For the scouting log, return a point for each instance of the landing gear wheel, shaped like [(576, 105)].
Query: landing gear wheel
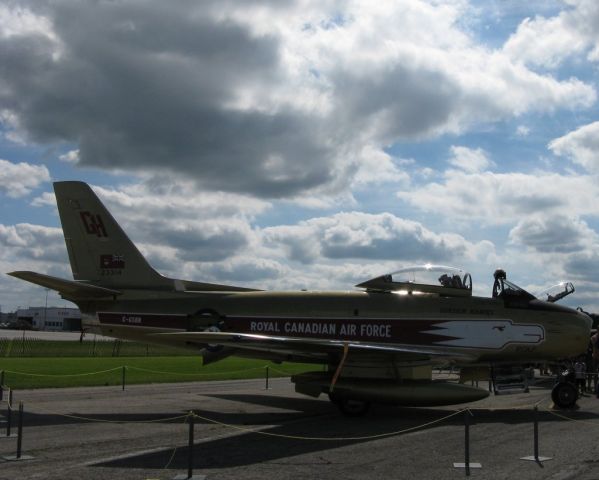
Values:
[(564, 395), (350, 407)]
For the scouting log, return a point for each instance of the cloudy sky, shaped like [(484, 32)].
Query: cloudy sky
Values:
[(289, 144)]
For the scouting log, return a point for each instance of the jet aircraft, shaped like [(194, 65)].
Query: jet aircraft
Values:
[(379, 342)]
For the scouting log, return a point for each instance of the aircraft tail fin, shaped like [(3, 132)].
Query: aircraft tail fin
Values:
[(99, 250)]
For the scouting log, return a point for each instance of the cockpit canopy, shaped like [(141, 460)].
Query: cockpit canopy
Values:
[(556, 292), (443, 280)]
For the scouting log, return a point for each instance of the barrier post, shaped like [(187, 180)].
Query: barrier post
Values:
[(467, 465), (535, 457), (266, 388), (20, 431), (190, 475), (8, 419), (9, 414), (190, 448), (467, 443), (19, 455), (123, 378)]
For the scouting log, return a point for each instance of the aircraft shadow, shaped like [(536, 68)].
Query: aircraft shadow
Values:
[(249, 448), (34, 419), (388, 412), (293, 408)]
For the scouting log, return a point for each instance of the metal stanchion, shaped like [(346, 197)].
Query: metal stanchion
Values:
[(190, 475), (19, 455), (535, 457), (9, 417), (190, 447), (20, 431), (467, 465), (123, 378), (266, 387)]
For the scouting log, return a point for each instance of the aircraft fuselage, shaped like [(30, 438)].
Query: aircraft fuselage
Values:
[(489, 329)]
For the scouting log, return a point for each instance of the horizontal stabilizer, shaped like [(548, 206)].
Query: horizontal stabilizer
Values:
[(68, 289)]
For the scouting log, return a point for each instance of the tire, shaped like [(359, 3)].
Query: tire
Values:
[(564, 395)]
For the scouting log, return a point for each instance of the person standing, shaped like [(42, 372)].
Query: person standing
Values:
[(580, 372)]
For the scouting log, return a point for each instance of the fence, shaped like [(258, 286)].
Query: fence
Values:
[(35, 347), (193, 449)]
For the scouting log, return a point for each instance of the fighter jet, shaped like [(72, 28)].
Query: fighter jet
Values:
[(379, 342)]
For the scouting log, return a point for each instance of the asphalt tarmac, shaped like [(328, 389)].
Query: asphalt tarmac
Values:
[(246, 432)]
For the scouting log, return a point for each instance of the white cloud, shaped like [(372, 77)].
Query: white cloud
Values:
[(270, 99), (581, 146), (207, 226), (32, 243), (46, 199), (554, 234), (547, 42), (503, 198), (71, 156), (19, 179), (376, 167), (470, 160), (22, 21), (382, 237), (249, 270), (169, 197)]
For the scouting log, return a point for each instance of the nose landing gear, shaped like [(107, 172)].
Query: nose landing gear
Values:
[(564, 393)]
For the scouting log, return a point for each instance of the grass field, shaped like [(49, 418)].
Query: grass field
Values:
[(44, 372), (35, 347)]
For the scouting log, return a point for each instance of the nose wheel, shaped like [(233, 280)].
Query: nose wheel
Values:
[(564, 395)]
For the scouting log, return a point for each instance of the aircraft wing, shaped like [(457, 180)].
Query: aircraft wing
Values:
[(68, 289), (311, 346)]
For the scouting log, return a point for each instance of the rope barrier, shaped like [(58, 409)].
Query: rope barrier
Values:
[(197, 373), (62, 375), (279, 371), (101, 420), (232, 372), (518, 407), (328, 439), (590, 422), (168, 464)]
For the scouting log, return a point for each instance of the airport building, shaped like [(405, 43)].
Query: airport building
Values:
[(55, 319)]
